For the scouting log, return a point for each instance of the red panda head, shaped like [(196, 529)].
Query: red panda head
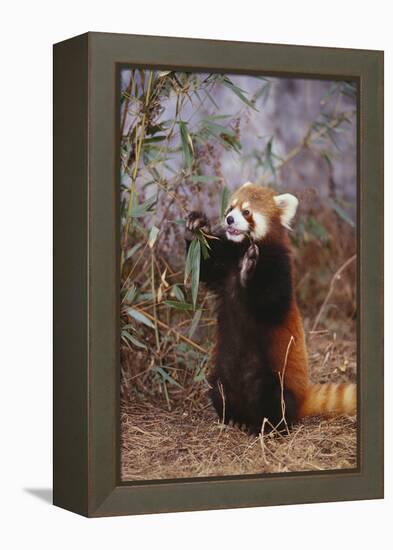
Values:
[(257, 211)]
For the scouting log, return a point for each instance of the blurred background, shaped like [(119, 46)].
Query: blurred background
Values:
[(187, 141)]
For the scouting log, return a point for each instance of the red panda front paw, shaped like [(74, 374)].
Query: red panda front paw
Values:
[(197, 220), (248, 263)]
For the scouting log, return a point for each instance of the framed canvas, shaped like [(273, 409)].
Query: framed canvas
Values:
[(218, 274)]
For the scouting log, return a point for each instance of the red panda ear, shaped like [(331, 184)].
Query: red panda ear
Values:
[(288, 205)]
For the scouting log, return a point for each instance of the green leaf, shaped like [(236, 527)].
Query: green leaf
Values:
[(195, 322), (131, 293), (204, 179), (132, 251), (178, 305), (199, 375), (205, 246), (200, 371), (140, 317), (177, 291), (217, 117), (205, 251), (211, 98), (218, 129), (145, 296), (224, 200), (188, 148), (153, 236), (317, 229), (138, 211), (127, 336), (167, 377), (155, 139), (269, 156), (192, 267), (328, 157), (237, 91), (189, 260), (342, 213), (263, 92), (195, 272)]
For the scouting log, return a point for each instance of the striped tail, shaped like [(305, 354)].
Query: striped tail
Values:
[(329, 399)]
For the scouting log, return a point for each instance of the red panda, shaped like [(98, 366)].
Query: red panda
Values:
[(260, 363)]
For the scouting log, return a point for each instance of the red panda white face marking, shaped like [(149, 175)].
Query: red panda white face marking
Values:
[(253, 210), (237, 226)]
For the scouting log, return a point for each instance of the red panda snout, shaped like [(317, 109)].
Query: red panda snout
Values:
[(237, 225)]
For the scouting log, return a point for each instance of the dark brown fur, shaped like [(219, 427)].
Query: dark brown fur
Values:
[(260, 360)]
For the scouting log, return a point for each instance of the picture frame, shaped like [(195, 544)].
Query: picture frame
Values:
[(86, 471)]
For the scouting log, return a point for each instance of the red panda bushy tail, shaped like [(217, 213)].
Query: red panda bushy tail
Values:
[(329, 399)]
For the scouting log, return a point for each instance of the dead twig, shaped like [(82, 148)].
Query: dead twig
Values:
[(336, 277), (281, 376), (171, 329)]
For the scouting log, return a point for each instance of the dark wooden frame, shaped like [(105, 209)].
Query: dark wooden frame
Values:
[(86, 254)]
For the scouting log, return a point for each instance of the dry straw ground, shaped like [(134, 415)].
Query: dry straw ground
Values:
[(189, 441)]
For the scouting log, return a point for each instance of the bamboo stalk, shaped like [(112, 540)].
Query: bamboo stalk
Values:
[(136, 165), (127, 103)]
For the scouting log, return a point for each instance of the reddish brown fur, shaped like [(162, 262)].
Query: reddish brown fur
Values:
[(312, 399), (260, 336), (260, 199)]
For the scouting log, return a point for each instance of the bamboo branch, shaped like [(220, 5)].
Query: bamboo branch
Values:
[(308, 139)]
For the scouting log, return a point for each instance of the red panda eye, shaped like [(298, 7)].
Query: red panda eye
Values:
[(246, 213)]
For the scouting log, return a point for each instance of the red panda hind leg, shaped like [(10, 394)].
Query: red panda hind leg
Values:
[(288, 352)]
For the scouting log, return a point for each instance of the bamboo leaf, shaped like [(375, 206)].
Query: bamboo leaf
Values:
[(269, 156), (211, 98), (132, 250), (178, 305), (342, 213), (263, 92), (217, 117), (224, 200), (237, 91), (177, 291), (189, 259), (205, 246), (196, 263), (131, 293), (204, 179), (126, 335), (140, 317), (218, 129), (138, 211), (153, 236), (155, 139), (187, 145), (145, 296), (195, 322), (205, 249), (167, 377)]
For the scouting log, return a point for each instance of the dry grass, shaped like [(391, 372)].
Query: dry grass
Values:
[(190, 442)]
